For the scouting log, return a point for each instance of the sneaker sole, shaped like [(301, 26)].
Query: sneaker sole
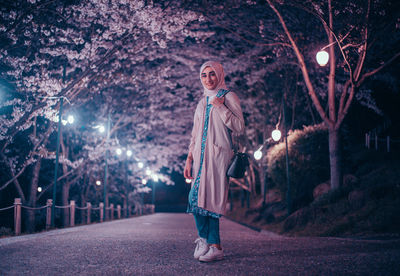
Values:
[(215, 259)]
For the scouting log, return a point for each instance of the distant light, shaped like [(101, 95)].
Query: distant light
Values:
[(257, 154), (102, 129), (64, 122), (129, 153), (140, 165), (39, 189), (98, 182), (322, 57), (155, 177), (276, 135), (144, 181), (188, 180), (148, 172), (119, 151), (70, 119)]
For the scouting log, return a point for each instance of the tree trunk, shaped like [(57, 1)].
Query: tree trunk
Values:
[(30, 219), (335, 158)]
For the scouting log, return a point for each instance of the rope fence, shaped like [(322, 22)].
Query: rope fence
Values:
[(33, 208), (63, 207), (85, 218), (4, 209)]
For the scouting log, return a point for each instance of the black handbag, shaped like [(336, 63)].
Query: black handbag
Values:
[(239, 162), (238, 166)]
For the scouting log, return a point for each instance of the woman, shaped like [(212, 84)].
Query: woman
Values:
[(217, 115)]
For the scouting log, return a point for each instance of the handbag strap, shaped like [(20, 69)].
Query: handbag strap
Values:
[(221, 93), (230, 140)]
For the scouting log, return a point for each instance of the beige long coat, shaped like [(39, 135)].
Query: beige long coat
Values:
[(214, 186)]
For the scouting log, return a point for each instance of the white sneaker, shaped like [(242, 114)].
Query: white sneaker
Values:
[(201, 248), (213, 254)]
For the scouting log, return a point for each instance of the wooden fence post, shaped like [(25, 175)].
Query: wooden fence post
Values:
[(89, 212), (119, 211), (17, 216), (112, 211), (72, 213), (101, 206), (49, 204)]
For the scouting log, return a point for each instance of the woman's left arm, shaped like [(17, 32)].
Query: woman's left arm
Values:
[(231, 113)]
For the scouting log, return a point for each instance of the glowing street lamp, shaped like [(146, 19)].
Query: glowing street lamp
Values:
[(258, 154), (39, 189), (98, 182), (101, 128), (155, 177), (144, 181), (70, 119), (322, 57), (276, 135), (129, 153)]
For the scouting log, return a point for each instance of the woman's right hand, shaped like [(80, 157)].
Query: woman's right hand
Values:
[(187, 173)]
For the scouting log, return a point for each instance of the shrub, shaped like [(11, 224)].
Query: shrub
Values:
[(4, 231), (308, 163)]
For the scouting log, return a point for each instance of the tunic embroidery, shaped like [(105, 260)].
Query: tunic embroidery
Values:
[(193, 195)]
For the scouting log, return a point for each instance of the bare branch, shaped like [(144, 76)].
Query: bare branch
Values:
[(343, 97), (368, 74), (240, 184), (346, 108), (303, 67), (361, 59), (351, 45)]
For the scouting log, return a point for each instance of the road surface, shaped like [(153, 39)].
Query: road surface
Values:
[(162, 244)]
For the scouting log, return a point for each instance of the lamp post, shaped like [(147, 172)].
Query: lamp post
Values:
[(106, 166), (258, 154), (53, 207), (128, 154), (288, 193)]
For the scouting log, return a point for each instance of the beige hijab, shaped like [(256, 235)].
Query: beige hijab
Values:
[(219, 71)]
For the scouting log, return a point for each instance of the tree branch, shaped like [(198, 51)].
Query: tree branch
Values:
[(303, 67), (361, 59), (368, 74)]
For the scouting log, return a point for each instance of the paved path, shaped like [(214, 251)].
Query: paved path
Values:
[(162, 244)]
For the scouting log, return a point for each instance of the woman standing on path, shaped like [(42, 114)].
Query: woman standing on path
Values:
[(217, 115)]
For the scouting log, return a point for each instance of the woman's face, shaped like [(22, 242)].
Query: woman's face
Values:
[(209, 78)]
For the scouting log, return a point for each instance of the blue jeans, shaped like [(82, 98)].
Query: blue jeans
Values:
[(208, 228)]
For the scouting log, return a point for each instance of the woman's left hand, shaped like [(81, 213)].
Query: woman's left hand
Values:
[(217, 102)]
